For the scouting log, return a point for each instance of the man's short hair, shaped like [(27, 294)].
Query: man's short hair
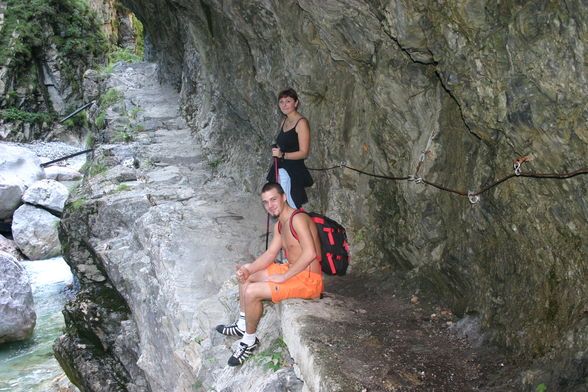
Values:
[(272, 185)]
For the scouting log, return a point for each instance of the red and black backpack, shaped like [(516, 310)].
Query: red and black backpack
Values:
[(335, 249)]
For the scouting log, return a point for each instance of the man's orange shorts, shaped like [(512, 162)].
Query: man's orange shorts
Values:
[(305, 284)]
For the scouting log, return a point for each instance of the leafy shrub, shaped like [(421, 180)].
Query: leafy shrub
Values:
[(14, 114), (123, 136), (100, 121), (110, 97)]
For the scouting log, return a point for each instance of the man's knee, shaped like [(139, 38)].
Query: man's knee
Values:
[(257, 291)]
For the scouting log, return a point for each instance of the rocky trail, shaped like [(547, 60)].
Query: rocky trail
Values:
[(167, 232)]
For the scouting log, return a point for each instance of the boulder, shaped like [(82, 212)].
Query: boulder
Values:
[(8, 246), (49, 194), (35, 232), (19, 168), (62, 173), (17, 314), (11, 191)]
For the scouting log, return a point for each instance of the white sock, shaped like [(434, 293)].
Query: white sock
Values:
[(248, 338), (241, 322)]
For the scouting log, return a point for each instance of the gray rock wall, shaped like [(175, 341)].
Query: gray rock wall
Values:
[(485, 82)]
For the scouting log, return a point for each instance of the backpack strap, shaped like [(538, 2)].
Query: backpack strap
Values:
[(291, 226)]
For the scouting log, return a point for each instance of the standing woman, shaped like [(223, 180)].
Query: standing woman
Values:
[(291, 149)]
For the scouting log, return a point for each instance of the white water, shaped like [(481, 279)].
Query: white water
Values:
[(30, 366)]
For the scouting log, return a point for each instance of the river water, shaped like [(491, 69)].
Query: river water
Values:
[(30, 366)]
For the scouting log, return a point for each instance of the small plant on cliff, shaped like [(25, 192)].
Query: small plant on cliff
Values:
[(134, 111), (14, 114), (90, 140), (138, 128), (118, 55), (77, 204), (274, 357), (215, 163), (110, 97), (124, 137), (80, 120), (97, 168), (124, 55), (541, 388), (100, 121)]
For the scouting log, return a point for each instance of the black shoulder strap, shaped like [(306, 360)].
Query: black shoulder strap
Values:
[(295, 125)]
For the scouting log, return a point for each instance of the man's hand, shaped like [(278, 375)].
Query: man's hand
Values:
[(276, 278), (242, 273)]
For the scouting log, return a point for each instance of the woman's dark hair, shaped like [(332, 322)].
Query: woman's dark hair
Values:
[(288, 93)]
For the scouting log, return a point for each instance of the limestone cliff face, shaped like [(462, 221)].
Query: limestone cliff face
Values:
[(116, 21), (448, 91)]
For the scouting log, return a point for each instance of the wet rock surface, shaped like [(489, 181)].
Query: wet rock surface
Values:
[(17, 313)]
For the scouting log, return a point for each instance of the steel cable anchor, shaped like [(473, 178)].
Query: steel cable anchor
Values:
[(416, 179), (473, 198)]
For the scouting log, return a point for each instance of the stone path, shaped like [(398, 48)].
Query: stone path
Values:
[(172, 234)]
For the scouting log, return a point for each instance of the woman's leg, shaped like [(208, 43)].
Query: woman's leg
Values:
[(286, 186)]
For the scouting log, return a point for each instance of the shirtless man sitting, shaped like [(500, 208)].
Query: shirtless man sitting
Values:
[(263, 279)]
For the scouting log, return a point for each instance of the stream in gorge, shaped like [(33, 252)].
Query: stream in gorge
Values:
[(29, 366)]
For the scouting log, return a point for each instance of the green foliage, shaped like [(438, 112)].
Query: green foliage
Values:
[(139, 36), (215, 163), (148, 163), (123, 187), (14, 114), (100, 121), (77, 204), (97, 168), (70, 25), (110, 97), (124, 55), (80, 120), (137, 128), (274, 357), (65, 247), (134, 111), (124, 136), (541, 388), (31, 30), (118, 54), (11, 98), (90, 140)]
